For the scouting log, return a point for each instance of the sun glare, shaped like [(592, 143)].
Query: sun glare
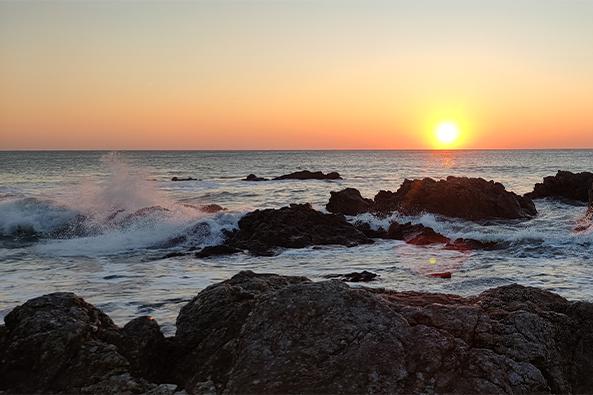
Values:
[(447, 133)]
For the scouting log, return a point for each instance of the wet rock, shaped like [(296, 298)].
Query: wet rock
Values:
[(216, 251), (415, 234), (253, 177), (462, 244), (144, 345), (60, 343), (368, 231), (355, 277), (274, 334), (174, 254), (462, 197), (564, 185), (385, 202), (212, 208), (184, 179), (440, 275), (310, 175), (295, 226), (348, 201)]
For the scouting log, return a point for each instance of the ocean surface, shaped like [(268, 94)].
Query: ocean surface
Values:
[(69, 221)]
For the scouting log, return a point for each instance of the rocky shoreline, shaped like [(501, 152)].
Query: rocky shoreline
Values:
[(265, 333)]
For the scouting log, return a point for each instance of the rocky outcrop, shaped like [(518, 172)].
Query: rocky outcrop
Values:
[(310, 175), (295, 226), (355, 277), (264, 333), (60, 343), (458, 197), (564, 185), (461, 197), (348, 201)]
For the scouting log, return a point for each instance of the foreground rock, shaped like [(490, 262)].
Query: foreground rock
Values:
[(459, 197), (564, 184), (60, 343), (263, 333), (295, 226), (310, 175)]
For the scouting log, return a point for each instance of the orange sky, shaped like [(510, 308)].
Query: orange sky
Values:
[(295, 75)]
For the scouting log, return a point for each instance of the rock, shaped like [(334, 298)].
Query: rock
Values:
[(385, 202), (461, 244), (268, 334), (440, 275), (253, 177), (174, 254), (564, 184), (184, 179), (274, 334), (60, 343), (461, 197), (415, 234), (212, 208), (355, 277), (216, 251), (365, 228), (295, 226), (310, 175), (348, 201)]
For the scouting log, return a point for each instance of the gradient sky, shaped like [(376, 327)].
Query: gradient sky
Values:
[(295, 75)]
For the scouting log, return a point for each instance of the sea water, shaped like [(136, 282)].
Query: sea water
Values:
[(70, 221)]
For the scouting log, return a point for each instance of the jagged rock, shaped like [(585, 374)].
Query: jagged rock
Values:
[(273, 334), (462, 197), (366, 228), (253, 177), (566, 185), (310, 175), (348, 201), (355, 277), (184, 179), (212, 208), (462, 244), (264, 333), (295, 226), (60, 343)]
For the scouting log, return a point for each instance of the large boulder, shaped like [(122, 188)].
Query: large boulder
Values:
[(348, 201), (310, 175), (60, 343), (461, 197), (274, 334), (566, 185), (295, 226)]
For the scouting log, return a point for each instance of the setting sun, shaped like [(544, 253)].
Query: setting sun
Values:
[(447, 133)]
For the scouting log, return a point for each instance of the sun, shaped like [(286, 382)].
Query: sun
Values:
[(447, 133)]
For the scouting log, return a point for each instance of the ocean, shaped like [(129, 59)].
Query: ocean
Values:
[(55, 232)]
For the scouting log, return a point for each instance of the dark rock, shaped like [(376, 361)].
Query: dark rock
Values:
[(216, 251), (461, 244), (60, 343), (348, 201), (365, 228), (144, 346), (273, 334), (415, 234), (564, 184), (461, 197), (174, 254), (385, 202), (184, 179), (310, 175), (355, 277), (253, 177), (296, 226), (440, 275), (212, 208)]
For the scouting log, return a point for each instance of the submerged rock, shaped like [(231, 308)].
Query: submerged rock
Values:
[(212, 208), (184, 179), (415, 234), (355, 277), (253, 177), (209, 251), (310, 175), (265, 333), (566, 185), (348, 201), (295, 226)]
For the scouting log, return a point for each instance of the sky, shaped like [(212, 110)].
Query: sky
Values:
[(295, 74)]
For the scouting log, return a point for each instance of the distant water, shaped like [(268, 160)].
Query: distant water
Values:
[(60, 228)]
